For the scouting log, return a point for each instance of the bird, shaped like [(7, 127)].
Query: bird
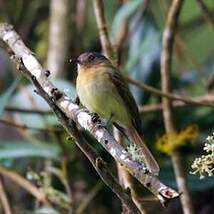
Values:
[(103, 90)]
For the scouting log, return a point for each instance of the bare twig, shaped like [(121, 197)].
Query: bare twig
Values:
[(207, 98), (83, 118), (4, 200), (168, 94), (176, 104), (158, 107), (102, 28), (25, 184), (126, 180), (206, 13), (166, 61), (195, 22), (21, 126), (88, 198), (27, 111)]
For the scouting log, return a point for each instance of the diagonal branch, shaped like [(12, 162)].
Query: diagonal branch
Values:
[(4, 199), (23, 126), (83, 118), (99, 165), (25, 184), (206, 12)]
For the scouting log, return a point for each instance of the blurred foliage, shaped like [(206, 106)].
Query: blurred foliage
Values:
[(172, 141), (140, 58), (36, 102), (5, 97)]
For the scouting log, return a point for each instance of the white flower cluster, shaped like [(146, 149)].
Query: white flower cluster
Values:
[(204, 165)]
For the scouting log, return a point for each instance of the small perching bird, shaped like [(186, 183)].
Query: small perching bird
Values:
[(103, 90)]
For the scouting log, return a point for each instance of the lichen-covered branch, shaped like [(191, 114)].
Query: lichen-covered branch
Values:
[(166, 62), (99, 165), (83, 118)]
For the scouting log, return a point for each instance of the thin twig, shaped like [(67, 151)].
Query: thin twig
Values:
[(4, 199), (167, 94), (166, 62), (88, 198), (27, 111), (25, 184), (21, 126), (208, 98), (126, 181), (195, 22), (102, 28), (206, 13), (176, 104)]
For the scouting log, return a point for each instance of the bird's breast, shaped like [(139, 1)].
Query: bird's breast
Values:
[(92, 89), (98, 94)]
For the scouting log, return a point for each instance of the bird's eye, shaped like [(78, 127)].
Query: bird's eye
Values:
[(91, 57)]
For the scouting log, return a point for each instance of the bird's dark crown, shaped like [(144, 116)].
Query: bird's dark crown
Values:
[(91, 58)]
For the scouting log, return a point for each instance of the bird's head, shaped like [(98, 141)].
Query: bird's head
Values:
[(91, 59)]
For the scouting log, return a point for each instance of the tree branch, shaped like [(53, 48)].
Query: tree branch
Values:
[(91, 154), (166, 62), (4, 200), (83, 118), (22, 126), (169, 95), (25, 184), (27, 111), (102, 28), (206, 13)]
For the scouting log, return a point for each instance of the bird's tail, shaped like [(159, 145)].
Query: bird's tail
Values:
[(147, 156)]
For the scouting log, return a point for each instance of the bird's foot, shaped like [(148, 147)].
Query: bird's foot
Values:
[(77, 100), (95, 117)]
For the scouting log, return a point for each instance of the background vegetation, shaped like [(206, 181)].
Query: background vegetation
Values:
[(34, 146)]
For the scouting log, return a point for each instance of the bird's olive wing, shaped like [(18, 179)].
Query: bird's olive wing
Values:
[(123, 90)]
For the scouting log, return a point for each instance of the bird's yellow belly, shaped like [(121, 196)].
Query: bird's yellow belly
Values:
[(102, 98)]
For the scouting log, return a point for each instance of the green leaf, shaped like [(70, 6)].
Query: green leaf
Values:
[(123, 13), (21, 149), (5, 97), (143, 53)]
